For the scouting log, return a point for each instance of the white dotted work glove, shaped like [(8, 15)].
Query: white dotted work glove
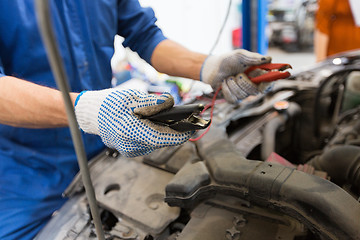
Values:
[(115, 116), (227, 71)]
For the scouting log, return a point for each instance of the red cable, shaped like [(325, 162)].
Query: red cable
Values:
[(209, 105), (211, 115)]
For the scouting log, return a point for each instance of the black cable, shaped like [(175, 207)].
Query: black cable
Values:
[(47, 34), (218, 37), (222, 27)]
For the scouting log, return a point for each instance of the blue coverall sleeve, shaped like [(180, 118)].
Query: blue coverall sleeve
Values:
[(137, 25), (2, 71)]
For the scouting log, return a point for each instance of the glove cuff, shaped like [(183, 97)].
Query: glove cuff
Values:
[(202, 69), (209, 70), (87, 109)]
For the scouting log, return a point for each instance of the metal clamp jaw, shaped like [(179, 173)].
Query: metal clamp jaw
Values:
[(181, 118)]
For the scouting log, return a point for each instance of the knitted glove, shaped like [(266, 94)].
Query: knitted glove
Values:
[(220, 71), (115, 116), (239, 87)]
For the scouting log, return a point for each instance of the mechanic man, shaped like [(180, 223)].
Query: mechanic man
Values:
[(37, 159)]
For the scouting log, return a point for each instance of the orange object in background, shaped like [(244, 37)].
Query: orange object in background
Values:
[(334, 18)]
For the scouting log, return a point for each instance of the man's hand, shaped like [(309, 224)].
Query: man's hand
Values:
[(115, 115), (227, 71)]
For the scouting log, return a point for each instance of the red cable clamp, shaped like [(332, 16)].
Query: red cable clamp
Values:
[(275, 72)]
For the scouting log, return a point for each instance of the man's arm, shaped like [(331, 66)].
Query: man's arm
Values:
[(109, 113), (171, 58), (321, 41), (25, 104), (217, 70)]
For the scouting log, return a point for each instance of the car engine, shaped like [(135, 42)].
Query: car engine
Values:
[(284, 165)]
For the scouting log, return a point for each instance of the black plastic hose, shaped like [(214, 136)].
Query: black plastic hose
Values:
[(342, 163), (272, 127)]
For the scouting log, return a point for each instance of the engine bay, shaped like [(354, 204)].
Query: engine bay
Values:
[(284, 165)]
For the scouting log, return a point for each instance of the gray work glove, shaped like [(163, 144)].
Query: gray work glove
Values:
[(115, 115), (226, 71)]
